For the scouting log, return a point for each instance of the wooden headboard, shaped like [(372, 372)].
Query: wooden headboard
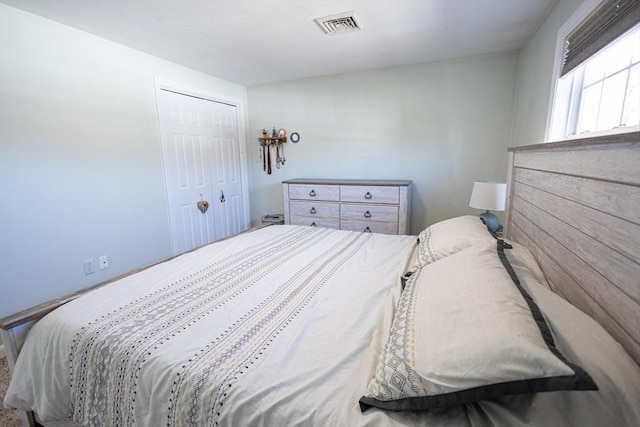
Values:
[(576, 205)]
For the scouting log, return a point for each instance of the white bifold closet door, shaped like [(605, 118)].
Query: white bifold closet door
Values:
[(201, 151)]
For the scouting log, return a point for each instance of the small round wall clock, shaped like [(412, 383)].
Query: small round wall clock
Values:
[(295, 137)]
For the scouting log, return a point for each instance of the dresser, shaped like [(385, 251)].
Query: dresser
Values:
[(375, 206)]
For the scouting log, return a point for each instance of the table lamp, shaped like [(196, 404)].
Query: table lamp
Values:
[(490, 196)]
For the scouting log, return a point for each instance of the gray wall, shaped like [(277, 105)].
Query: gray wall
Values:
[(81, 170), (441, 125), (535, 76), (80, 161)]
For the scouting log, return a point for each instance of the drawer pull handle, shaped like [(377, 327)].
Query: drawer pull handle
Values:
[(313, 224), (312, 193), (312, 210), (367, 229), (367, 214), (368, 195)]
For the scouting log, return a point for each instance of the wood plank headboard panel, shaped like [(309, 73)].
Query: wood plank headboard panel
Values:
[(576, 206)]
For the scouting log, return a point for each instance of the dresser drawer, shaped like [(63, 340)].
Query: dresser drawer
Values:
[(369, 194), (369, 213), (371, 205), (369, 226), (315, 209), (314, 192), (315, 222)]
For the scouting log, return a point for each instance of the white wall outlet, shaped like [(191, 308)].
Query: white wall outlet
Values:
[(89, 268), (104, 262)]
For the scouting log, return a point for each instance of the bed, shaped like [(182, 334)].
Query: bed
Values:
[(290, 325)]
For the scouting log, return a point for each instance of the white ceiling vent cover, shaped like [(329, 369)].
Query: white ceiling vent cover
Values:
[(341, 23)]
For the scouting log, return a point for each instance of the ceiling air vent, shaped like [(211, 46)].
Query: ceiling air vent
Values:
[(341, 23)]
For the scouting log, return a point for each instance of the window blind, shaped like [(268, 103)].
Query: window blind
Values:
[(610, 20)]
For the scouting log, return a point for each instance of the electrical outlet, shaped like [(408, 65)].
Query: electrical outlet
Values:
[(89, 268), (104, 262)]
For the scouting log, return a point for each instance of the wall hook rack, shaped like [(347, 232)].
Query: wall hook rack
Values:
[(279, 136), (272, 149)]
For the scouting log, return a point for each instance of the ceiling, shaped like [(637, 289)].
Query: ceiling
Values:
[(254, 42)]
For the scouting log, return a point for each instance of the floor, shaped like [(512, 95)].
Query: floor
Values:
[(8, 417)]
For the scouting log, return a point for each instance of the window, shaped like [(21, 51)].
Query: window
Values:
[(599, 90), (608, 87)]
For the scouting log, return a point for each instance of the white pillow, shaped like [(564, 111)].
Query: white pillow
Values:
[(466, 330), (447, 237), (525, 266)]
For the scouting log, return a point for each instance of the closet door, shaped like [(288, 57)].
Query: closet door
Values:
[(202, 169), (226, 171)]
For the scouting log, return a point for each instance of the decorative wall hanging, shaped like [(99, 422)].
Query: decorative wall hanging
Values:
[(203, 205), (272, 148)]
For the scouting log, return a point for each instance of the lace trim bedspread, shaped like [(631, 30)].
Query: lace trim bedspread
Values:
[(109, 354)]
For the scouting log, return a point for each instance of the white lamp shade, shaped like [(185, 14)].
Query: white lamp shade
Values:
[(490, 196)]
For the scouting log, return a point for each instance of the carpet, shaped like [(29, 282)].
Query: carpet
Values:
[(8, 417)]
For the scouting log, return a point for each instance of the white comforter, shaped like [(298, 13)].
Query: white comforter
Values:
[(282, 326), (279, 327)]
